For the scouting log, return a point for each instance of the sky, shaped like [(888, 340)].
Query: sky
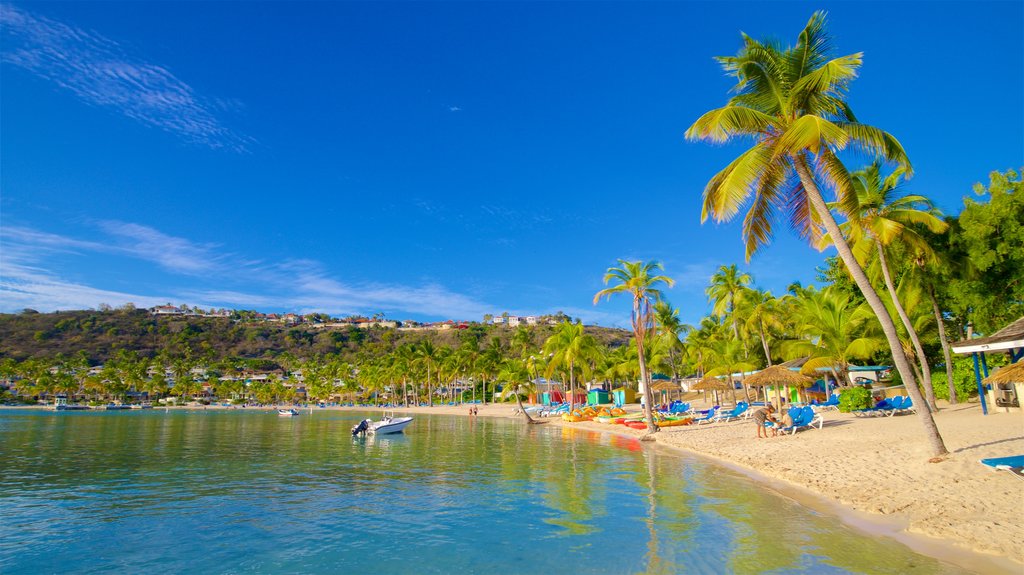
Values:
[(435, 161)]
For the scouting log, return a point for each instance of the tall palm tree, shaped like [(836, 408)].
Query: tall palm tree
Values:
[(833, 330), (884, 217), (727, 285), (428, 356), (570, 352), (515, 375), (792, 103), (671, 330), (638, 279), (763, 316)]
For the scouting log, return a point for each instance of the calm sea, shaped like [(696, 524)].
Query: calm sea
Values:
[(250, 492)]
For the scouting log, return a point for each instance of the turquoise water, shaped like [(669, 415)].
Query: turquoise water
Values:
[(250, 492)]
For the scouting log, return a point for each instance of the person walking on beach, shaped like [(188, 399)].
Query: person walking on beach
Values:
[(763, 416)]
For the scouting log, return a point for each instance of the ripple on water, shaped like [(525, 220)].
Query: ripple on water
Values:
[(244, 492)]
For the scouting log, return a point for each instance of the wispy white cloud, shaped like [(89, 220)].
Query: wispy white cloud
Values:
[(100, 72), (172, 253), (454, 109), (298, 284)]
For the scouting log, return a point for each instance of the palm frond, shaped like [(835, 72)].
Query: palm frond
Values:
[(813, 134), (812, 48), (757, 225), (835, 174), (726, 192), (828, 79), (723, 123), (877, 143)]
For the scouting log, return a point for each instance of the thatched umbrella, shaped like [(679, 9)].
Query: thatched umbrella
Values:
[(665, 387), (778, 375), (1009, 374), (711, 384)]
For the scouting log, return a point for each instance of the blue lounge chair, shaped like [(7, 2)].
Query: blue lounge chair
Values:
[(832, 403), (884, 406), (734, 413), (1013, 464), (803, 417), (707, 418)]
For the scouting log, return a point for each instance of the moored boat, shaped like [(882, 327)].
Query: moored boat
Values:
[(287, 412), (388, 424)]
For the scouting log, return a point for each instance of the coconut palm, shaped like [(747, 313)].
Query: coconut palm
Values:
[(833, 329), (570, 352), (792, 103), (727, 284), (763, 316), (638, 279), (428, 357), (671, 331), (884, 217), (515, 375)]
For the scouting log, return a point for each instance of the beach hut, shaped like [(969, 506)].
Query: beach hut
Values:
[(778, 376), (597, 396), (1007, 385), (623, 395), (1008, 340)]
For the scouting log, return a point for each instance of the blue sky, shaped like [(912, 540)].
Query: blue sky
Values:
[(433, 161)]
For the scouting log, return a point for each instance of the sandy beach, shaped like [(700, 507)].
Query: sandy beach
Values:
[(877, 466)]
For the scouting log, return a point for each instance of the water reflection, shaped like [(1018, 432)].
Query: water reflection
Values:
[(173, 492)]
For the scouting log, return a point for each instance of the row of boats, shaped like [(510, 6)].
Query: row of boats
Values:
[(387, 424)]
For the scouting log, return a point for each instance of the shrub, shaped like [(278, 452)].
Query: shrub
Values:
[(854, 398)]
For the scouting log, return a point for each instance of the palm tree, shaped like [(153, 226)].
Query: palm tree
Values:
[(570, 350), (884, 217), (516, 377), (763, 315), (792, 102), (671, 330), (833, 330), (727, 285), (638, 279), (428, 357)]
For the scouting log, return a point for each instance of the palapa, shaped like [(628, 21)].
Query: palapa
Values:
[(710, 384), (1009, 374), (778, 375), (666, 386)]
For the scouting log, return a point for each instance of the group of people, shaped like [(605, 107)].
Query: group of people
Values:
[(472, 411), (765, 420)]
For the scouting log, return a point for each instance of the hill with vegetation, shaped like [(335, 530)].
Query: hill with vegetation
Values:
[(101, 335)]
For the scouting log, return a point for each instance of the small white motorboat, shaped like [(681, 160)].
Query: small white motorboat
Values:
[(287, 412), (388, 424)]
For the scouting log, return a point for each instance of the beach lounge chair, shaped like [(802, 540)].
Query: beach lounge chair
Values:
[(883, 407), (803, 417), (832, 403), (734, 413), (707, 418), (1013, 464)]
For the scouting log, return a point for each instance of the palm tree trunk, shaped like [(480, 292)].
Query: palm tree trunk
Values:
[(519, 400), (926, 371), (572, 384), (764, 342), (638, 335), (945, 344), (938, 447)]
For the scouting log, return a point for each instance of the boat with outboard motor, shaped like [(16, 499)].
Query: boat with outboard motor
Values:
[(287, 412), (388, 424)]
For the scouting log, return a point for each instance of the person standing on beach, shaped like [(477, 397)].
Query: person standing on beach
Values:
[(763, 416)]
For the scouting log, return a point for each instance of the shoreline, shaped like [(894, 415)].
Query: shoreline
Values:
[(877, 481)]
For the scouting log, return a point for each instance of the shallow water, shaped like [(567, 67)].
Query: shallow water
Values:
[(250, 492)]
